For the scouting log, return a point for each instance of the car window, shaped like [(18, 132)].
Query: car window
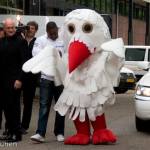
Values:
[(148, 54), (134, 54)]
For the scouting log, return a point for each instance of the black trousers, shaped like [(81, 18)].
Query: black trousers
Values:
[(11, 106), (1, 106), (28, 89), (1, 117), (1, 113)]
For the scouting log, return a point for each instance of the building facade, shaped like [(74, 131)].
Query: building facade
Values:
[(133, 27), (11, 7)]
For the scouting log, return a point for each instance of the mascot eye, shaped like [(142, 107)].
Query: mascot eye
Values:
[(71, 28), (87, 27)]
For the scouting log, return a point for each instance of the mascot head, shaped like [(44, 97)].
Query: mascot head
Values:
[(85, 31)]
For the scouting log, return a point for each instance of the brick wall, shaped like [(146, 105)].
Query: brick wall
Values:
[(139, 28)]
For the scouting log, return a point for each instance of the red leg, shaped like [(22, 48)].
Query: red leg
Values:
[(102, 135), (83, 133)]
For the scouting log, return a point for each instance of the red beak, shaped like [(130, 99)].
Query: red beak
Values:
[(78, 52)]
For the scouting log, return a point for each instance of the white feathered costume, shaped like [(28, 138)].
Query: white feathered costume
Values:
[(93, 69)]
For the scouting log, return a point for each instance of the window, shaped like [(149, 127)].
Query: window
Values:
[(97, 5), (134, 54), (3, 2), (139, 12), (127, 10), (109, 6), (91, 4), (78, 1), (121, 8), (11, 6), (103, 6)]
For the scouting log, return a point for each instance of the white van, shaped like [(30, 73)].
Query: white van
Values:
[(136, 56)]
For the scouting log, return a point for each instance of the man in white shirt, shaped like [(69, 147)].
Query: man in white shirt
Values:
[(48, 89)]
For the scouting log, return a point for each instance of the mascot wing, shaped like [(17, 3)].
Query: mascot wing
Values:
[(116, 58), (47, 61), (116, 46)]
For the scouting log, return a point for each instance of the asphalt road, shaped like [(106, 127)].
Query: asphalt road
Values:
[(120, 119)]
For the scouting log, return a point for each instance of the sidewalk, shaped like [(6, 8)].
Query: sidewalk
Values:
[(51, 143)]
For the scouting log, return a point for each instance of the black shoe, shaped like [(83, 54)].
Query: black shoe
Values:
[(6, 132), (4, 137), (23, 131), (14, 138)]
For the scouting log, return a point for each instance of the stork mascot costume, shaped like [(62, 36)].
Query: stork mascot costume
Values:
[(93, 68)]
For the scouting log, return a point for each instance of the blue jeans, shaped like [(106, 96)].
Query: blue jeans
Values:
[(48, 92)]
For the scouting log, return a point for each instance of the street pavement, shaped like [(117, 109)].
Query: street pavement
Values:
[(52, 144)]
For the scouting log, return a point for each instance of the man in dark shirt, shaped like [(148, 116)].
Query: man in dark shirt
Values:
[(29, 80), (12, 56)]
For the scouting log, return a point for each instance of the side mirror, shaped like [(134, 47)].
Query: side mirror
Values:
[(143, 65)]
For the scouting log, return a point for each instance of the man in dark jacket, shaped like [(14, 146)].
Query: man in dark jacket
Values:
[(1, 109), (12, 56), (29, 80)]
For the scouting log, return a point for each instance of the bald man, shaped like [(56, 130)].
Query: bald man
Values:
[(12, 57)]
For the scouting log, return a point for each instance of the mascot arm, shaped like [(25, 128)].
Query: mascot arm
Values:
[(113, 67), (115, 59)]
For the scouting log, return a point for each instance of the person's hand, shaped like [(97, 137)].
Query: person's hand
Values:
[(23, 35), (17, 84)]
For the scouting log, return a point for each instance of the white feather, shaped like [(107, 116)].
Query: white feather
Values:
[(42, 62), (82, 115), (71, 112), (77, 111), (76, 101), (91, 114), (69, 101), (63, 110)]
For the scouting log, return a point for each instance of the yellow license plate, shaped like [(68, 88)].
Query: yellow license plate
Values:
[(130, 80)]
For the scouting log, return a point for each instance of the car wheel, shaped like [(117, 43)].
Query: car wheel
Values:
[(119, 91), (142, 125)]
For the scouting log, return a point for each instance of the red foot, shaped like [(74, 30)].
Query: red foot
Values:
[(103, 136), (78, 139)]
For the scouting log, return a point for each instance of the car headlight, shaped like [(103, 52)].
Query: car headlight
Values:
[(143, 91)]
